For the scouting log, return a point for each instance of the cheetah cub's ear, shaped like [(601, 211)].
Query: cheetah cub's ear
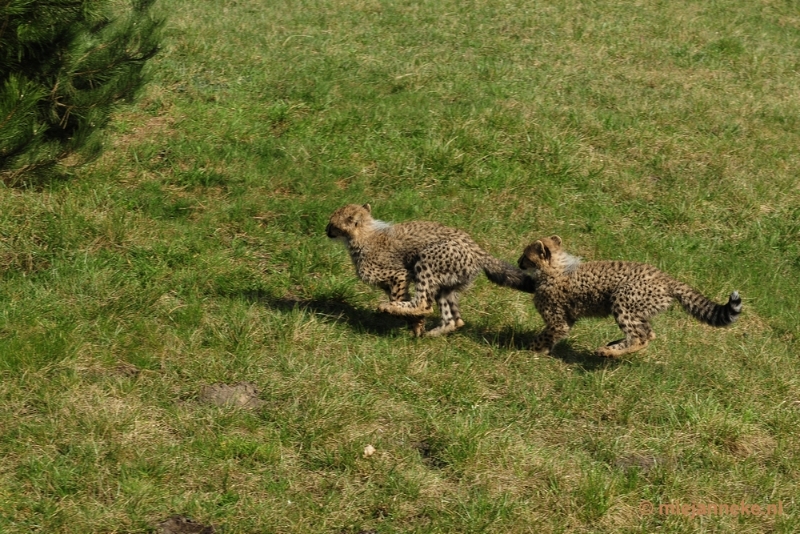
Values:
[(546, 247), (541, 250), (367, 207)]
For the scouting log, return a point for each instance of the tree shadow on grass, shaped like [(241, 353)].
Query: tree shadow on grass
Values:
[(336, 311), (508, 338), (36, 177)]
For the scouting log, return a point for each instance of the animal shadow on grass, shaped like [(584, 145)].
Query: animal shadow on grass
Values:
[(508, 338), (383, 324), (336, 311)]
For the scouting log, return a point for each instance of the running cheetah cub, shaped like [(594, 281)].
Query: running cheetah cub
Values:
[(440, 261), (632, 292)]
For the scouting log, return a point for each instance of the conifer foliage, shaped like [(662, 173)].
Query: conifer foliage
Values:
[(63, 65)]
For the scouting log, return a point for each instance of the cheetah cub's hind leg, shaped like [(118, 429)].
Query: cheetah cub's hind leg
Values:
[(638, 335), (633, 318), (650, 337), (451, 316)]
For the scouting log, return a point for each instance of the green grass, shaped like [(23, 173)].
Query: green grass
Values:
[(193, 252)]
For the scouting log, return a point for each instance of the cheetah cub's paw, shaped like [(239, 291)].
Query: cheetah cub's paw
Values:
[(619, 348), (445, 329), (417, 327)]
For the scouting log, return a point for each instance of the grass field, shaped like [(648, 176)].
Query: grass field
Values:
[(193, 253)]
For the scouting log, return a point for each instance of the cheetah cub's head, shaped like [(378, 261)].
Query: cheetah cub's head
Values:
[(351, 222), (545, 257)]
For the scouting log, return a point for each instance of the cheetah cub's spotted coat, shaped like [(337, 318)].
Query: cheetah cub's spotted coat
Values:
[(440, 261), (632, 292)]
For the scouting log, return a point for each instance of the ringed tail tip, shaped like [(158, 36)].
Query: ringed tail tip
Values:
[(735, 303)]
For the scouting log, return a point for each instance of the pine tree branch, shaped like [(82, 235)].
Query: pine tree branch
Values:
[(8, 117), (5, 23), (72, 60), (127, 58)]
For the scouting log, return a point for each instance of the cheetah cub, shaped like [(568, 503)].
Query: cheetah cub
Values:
[(632, 292), (440, 261)]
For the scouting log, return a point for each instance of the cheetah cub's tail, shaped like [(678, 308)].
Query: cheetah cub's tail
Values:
[(506, 275), (706, 310)]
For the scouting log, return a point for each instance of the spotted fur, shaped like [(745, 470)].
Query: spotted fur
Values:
[(439, 261), (632, 292)]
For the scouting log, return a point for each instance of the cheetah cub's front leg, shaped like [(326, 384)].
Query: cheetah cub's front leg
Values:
[(414, 316), (398, 292), (406, 308), (556, 329), (421, 304)]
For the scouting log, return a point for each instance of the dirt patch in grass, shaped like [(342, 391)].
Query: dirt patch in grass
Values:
[(144, 128), (126, 370), (241, 395), (178, 524), (643, 462)]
